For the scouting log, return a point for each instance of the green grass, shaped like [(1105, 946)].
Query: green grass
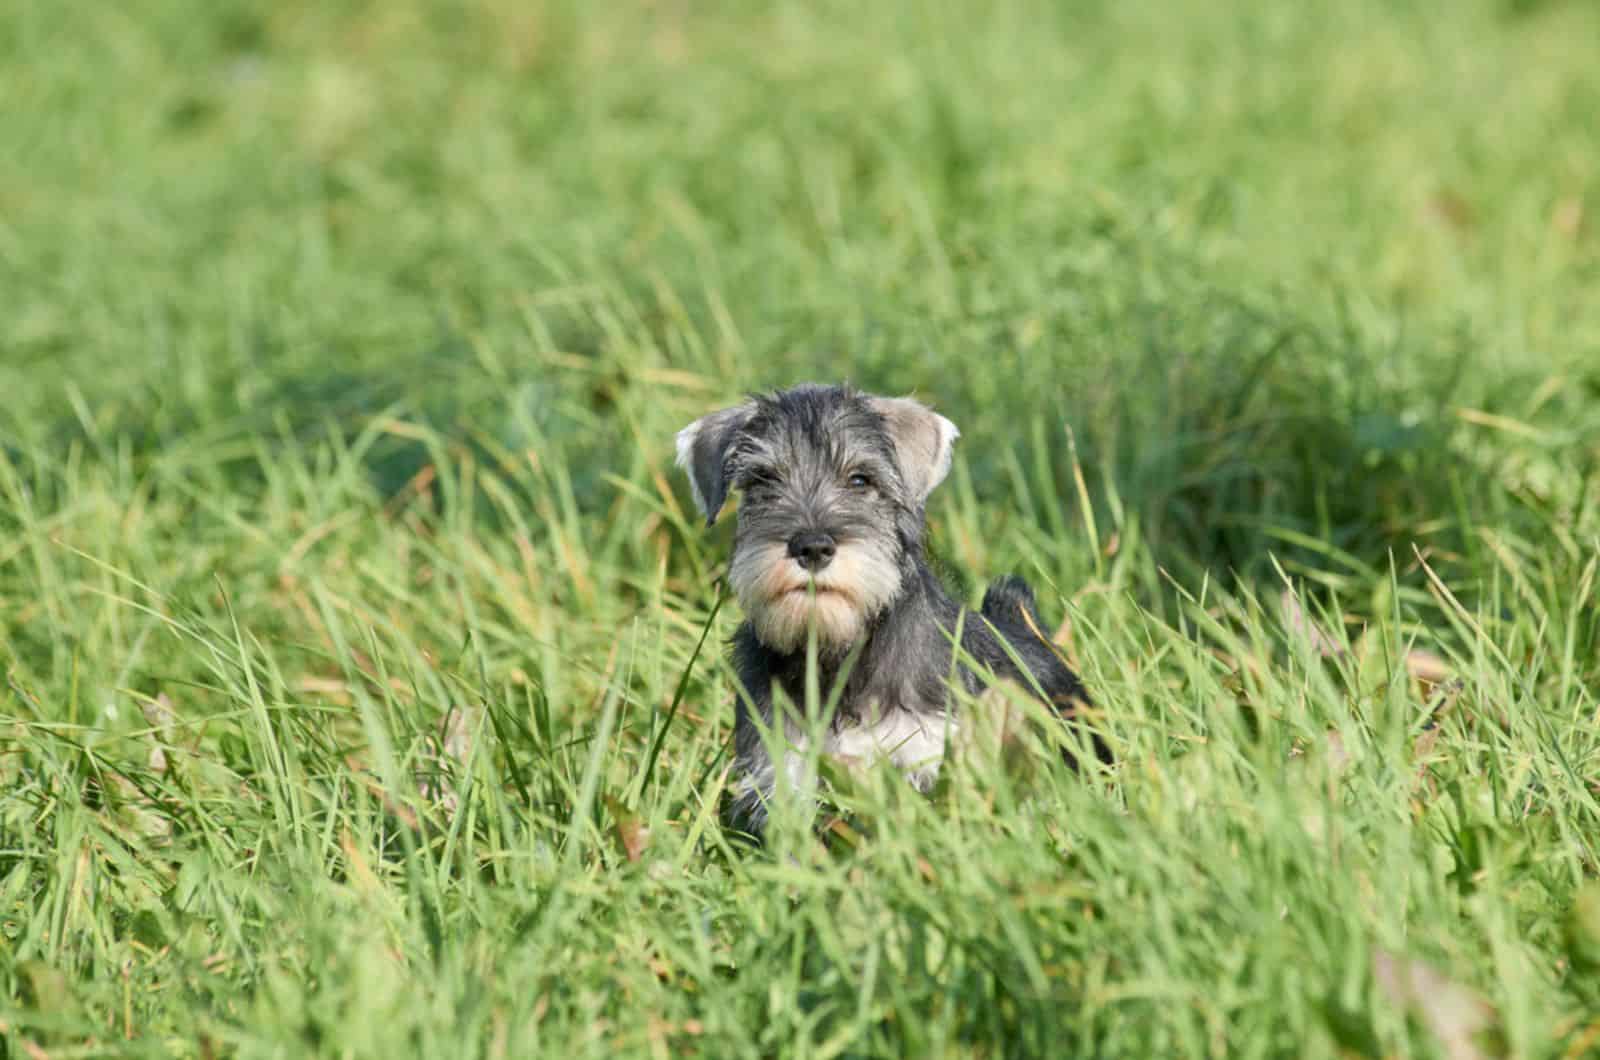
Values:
[(347, 589)]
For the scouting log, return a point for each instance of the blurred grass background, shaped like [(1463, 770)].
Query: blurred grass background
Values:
[(346, 585)]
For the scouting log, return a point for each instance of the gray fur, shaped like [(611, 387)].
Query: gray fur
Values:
[(829, 460)]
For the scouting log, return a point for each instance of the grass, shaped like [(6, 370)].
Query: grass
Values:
[(349, 605)]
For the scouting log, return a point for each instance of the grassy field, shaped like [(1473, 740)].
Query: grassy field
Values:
[(350, 604)]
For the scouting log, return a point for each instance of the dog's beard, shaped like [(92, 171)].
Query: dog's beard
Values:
[(785, 602)]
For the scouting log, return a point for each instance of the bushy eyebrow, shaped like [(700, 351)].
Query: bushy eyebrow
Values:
[(753, 472), (867, 462)]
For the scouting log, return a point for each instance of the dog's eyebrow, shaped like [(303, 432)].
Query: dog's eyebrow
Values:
[(867, 464), (760, 472), (879, 458)]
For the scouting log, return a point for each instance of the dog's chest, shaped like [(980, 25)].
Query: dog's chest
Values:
[(913, 741)]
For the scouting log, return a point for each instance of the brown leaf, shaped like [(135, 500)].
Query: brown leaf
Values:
[(456, 730), (357, 870), (1451, 210), (1427, 667), (1297, 622), (1454, 1013), (840, 829), (633, 836), (447, 757), (158, 713), (1423, 747), (1568, 217), (1442, 700), (1338, 756)]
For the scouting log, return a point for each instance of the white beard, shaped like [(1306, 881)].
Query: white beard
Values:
[(785, 602)]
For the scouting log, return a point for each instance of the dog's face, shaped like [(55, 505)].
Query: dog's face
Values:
[(833, 484)]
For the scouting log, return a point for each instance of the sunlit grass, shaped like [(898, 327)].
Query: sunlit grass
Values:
[(351, 612)]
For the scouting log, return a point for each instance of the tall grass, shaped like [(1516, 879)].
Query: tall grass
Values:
[(364, 690)]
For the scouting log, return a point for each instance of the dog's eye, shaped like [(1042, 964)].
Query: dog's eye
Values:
[(859, 481)]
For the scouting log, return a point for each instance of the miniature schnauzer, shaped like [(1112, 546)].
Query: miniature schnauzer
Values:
[(828, 560)]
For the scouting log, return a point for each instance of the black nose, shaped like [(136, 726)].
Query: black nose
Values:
[(813, 550)]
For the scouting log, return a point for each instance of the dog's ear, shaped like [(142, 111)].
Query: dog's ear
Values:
[(703, 454), (922, 442)]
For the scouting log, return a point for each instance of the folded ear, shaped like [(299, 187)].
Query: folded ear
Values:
[(922, 442), (703, 454)]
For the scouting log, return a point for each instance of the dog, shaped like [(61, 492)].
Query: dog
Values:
[(829, 568)]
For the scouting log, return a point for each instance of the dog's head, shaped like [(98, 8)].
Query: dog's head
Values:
[(833, 483)]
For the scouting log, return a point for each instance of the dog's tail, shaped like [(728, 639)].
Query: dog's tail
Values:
[(1010, 599)]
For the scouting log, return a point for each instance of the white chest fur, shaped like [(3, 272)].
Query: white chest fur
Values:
[(914, 743)]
